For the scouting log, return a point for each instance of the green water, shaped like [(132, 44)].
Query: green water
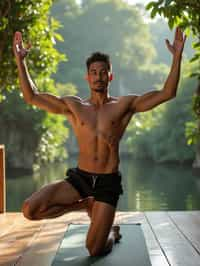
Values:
[(147, 186)]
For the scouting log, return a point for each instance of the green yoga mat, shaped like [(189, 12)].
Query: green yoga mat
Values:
[(130, 251)]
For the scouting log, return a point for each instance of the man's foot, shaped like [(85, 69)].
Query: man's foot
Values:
[(115, 229)]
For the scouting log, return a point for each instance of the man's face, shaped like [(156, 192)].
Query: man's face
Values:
[(98, 76)]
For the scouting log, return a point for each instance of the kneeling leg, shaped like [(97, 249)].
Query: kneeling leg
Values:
[(100, 237)]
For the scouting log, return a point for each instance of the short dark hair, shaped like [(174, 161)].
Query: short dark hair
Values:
[(98, 56)]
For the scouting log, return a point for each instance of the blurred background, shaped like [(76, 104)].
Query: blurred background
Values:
[(160, 151)]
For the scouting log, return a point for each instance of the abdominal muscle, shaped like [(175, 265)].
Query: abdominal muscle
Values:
[(98, 156)]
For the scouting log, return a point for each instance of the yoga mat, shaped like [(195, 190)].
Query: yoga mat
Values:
[(130, 251)]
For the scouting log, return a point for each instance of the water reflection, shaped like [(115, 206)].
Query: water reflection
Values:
[(147, 186), (159, 187)]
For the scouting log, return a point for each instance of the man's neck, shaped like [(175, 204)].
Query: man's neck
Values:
[(98, 98)]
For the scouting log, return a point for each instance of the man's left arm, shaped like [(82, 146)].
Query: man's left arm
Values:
[(151, 99)]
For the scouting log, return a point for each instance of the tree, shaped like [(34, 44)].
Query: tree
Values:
[(111, 26), (28, 131), (185, 14)]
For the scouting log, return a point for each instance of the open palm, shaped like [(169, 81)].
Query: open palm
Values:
[(179, 40), (18, 48)]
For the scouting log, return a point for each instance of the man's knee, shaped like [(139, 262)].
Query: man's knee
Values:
[(94, 249), (29, 211), (26, 210)]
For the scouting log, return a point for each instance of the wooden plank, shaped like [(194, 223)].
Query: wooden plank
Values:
[(15, 241), (22, 241), (8, 220), (188, 223), (36, 242), (2, 180), (156, 255), (173, 243), (45, 240), (44, 246)]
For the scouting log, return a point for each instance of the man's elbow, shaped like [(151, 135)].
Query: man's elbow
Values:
[(172, 95), (30, 99), (169, 96)]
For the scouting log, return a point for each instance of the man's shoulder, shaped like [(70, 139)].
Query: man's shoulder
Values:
[(128, 98), (72, 99)]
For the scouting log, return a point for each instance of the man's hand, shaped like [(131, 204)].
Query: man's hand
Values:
[(179, 40), (19, 50)]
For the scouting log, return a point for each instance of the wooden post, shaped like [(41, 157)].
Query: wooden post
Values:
[(2, 180)]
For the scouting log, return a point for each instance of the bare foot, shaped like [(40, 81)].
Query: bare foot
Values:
[(117, 235)]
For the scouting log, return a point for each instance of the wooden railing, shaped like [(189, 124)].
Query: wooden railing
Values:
[(2, 180)]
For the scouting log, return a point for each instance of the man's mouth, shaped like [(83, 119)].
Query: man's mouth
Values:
[(99, 82)]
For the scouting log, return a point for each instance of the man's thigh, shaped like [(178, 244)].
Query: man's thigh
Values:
[(58, 193), (101, 222)]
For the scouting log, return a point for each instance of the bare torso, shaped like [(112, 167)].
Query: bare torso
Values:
[(98, 131)]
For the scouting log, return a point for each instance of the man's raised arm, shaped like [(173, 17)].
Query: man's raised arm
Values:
[(151, 99), (31, 95)]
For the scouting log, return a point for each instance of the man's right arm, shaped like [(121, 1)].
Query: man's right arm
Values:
[(31, 95), (45, 101)]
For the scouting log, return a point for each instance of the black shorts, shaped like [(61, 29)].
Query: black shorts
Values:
[(103, 187)]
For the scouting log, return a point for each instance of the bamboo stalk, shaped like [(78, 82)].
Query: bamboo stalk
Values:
[(2, 180)]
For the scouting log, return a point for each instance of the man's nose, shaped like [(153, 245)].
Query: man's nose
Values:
[(99, 76)]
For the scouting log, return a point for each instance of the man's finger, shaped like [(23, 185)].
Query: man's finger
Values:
[(169, 46), (180, 35), (176, 33), (17, 47), (20, 41), (167, 43)]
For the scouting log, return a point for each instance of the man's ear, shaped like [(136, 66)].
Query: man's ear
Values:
[(111, 77)]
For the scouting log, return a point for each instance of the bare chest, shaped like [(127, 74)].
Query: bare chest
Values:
[(105, 123), (103, 119)]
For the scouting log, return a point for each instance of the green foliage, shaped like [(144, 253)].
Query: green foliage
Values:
[(65, 89), (49, 148), (33, 20), (160, 134), (196, 105), (185, 14), (138, 133), (39, 28), (182, 13), (192, 132)]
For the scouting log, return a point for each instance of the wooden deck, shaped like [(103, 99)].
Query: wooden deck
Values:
[(173, 238)]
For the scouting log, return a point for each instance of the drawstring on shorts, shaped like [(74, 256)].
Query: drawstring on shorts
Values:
[(94, 178)]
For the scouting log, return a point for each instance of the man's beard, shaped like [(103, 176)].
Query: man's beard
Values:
[(100, 90)]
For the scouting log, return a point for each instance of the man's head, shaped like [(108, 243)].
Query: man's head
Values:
[(99, 71)]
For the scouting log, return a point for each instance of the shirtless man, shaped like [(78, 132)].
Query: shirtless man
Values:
[(98, 123)]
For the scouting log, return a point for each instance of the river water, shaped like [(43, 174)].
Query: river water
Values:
[(147, 186)]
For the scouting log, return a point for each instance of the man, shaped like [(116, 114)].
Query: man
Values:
[(99, 123)]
